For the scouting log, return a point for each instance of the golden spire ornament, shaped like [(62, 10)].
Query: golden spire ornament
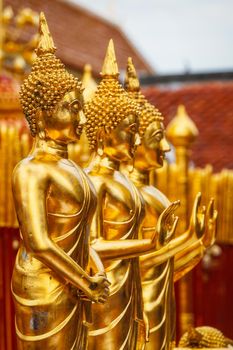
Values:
[(110, 67), (131, 79), (46, 44), (181, 130)]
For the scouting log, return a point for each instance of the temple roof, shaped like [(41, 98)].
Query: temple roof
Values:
[(81, 37), (210, 106)]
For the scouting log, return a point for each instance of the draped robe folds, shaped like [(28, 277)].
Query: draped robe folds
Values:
[(157, 280), (49, 314), (119, 323)]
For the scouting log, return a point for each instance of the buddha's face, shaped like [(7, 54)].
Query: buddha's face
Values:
[(150, 154), (121, 142), (66, 122)]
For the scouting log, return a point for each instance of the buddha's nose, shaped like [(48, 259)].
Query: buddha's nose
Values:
[(165, 145), (82, 118), (137, 139)]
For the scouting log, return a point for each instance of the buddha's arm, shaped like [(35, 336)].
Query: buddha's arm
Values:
[(30, 188), (172, 248), (201, 226), (122, 249), (187, 259), (95, 262)]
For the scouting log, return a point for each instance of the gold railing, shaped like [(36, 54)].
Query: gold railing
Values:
[(210, 184), (14, 146)]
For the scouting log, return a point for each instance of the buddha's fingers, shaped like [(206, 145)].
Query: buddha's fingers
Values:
[(169, 210), (175, 224), (211, 212)]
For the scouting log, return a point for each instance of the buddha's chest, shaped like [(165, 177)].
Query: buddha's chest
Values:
[(149, 221), (120, 201), (154, 206), (66, 193), (122, 210), (71, 199)]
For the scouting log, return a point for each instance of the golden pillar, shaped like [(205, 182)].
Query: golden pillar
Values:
[(182, 132)]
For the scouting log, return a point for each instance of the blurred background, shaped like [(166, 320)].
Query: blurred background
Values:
[(183, 53), (174, 36)]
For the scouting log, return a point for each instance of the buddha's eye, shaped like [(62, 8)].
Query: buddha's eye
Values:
[(75, 106), (133, 128), (158, 135)]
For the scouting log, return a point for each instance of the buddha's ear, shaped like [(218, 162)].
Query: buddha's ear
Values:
[(101, 133), (100, 141), (107, 129), (40, 124)]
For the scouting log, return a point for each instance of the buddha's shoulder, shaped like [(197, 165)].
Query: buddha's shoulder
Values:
[(154, 197), (110, 182), (31, 166)]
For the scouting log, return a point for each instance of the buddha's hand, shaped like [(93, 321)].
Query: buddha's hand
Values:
[(167, 223), (99, 288), (197, 220), (208, 238)]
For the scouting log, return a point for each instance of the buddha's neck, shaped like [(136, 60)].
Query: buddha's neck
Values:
[(50, 147), (109, 163), (139, 177), (104, 163)]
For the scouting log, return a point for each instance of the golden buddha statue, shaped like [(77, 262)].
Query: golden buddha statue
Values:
[(157, 268), (112, 124), (54, 202)]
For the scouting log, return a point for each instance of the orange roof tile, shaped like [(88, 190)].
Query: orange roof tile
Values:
[(81, 37)]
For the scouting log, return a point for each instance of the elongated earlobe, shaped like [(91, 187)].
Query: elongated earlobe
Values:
[(40, 125), (130, 165), (100, 142)]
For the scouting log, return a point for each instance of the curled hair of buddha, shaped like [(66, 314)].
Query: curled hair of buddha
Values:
[(110, 104), (48, 81), (149, 113)]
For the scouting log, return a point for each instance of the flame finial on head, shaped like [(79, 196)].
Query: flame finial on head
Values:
[(110, 67), (46, 44), (148, 113), (131, 79)]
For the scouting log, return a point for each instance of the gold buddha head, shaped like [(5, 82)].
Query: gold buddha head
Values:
[(112, 117), (151, 152), (51, 97)]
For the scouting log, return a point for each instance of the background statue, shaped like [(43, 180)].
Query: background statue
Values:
[(54, 202), (158, 268), (204, 337)]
